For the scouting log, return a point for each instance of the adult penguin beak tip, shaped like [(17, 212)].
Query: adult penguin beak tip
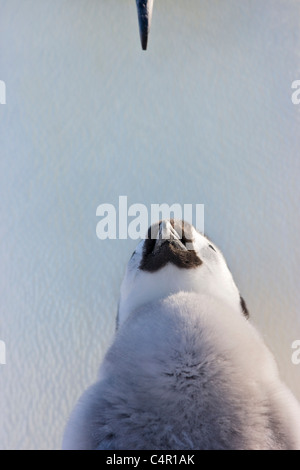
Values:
[(144, 40), (144, 10)]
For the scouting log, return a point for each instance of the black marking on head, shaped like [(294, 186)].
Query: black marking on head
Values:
[(210, 246), (244, 307), (169, 251)]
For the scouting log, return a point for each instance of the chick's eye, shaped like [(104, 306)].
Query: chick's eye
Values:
[(210, 246)]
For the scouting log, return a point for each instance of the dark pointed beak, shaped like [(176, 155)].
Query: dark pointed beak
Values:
[(144, 9)]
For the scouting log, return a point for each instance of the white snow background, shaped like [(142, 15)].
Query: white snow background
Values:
[(204, 116)]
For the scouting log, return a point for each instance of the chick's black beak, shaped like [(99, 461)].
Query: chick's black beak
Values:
[(144, 9)]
